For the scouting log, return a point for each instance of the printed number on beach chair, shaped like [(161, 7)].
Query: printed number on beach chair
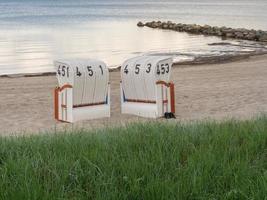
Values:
[(145, 87), (83, 91)]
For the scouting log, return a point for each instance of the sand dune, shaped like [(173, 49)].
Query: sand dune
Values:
[(216, 91)]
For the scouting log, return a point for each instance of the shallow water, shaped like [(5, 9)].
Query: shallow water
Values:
[(34, 33)]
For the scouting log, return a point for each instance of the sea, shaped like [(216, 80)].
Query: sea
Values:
[(34, 33)]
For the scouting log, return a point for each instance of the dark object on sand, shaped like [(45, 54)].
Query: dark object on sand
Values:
[(169, 115)]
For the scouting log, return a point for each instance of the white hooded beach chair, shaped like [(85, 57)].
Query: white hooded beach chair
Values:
[(83, 90), (145, 87)]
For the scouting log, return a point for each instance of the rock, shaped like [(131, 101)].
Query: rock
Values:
[(206, 26), (140, 24), (223, 28), (164, 25), (195, 28), (239, 35), (207, 30), (226, 30), (176, 27), (181, 27), (148, 24), (229, 35), (186, 27), (159, 24), (263, 37), (250, 36), (154, 24), (170, 26), (258, 35), (216, 29), (219, 33)]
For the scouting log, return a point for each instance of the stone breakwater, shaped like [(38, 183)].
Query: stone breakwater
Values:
[(224, 32)]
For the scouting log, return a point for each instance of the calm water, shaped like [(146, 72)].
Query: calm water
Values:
[(35, 32)]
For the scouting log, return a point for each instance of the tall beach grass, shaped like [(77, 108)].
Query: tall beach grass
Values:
[(201, 160)]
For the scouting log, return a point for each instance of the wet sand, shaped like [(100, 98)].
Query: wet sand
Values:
[(209, 91)]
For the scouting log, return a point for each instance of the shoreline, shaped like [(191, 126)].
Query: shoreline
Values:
[(208, 60), (203, 60)]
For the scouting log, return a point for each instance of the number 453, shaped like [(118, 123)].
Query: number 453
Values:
[(163, 69)]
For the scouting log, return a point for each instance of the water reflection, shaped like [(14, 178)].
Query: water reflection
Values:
[(33, 49)]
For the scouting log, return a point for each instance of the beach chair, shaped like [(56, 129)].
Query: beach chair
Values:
[(83, 90), (145, 87)]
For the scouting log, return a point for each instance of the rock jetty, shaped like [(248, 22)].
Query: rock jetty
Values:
[(224, 32)]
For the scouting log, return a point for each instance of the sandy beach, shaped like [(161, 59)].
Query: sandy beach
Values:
[(216, 91)]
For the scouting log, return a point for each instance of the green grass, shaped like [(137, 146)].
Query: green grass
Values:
[(204, 160)]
